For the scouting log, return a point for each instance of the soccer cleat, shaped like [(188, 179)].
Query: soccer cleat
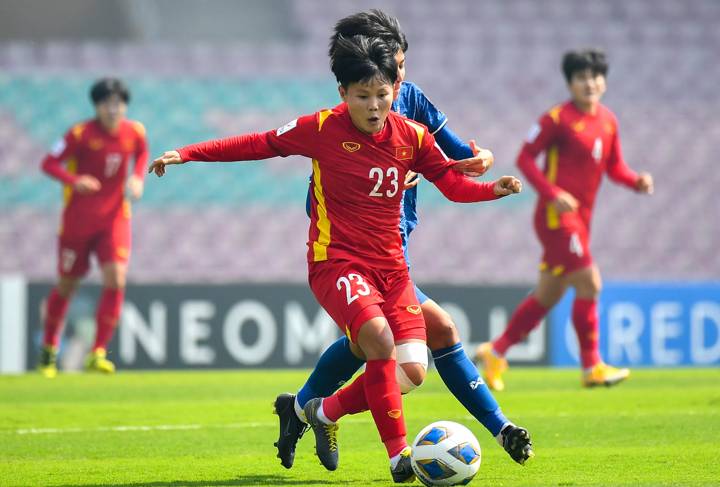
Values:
[(326, 447), (517, 443), (492, 365), (291, 428), (403, 471), (603, 374), (48, 361), (96, 361)]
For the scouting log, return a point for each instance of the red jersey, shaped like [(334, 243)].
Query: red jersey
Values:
[(357, 179), (579, 147), (89, 149)]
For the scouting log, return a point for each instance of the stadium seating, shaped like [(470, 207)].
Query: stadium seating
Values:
[(494, 72)]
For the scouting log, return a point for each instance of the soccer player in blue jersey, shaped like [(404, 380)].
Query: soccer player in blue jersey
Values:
[(339, 362)]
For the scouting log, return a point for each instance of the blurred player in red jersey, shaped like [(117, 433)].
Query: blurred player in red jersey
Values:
[(96, 215), (581, 142), (361, 152)]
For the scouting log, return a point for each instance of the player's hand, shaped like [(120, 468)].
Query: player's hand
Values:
[(135, 187), (169, 157), (478, 164), (411, 180), (645, 183), (87, 184), (507, 185), (565, 202)]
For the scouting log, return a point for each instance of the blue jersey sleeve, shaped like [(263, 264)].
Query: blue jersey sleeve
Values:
[(421, 109)]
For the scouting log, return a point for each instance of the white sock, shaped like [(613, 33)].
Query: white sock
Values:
[(321, 416), (394, 460), (299, 412), (499, 437)]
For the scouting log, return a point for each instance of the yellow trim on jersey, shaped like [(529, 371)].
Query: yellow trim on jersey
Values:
[(553, 220), (419, 129), (323, 222), (139, 128), (77, 130), (554, 113), (68, 189), (322, 116)]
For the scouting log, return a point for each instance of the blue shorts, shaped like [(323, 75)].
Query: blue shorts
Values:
[(422, 297)]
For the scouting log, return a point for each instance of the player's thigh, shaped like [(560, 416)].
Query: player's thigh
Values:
[(114, 274), (441, 330), (587, 282), (375, 339), (73, 256), (114, 242), (565, 250), (348, 293), (549, 289), (401, 307)]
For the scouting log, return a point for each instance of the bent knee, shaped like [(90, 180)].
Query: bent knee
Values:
[(411, 365), (442, 333)]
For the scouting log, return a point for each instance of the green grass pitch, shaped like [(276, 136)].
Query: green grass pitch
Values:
[(216, 429)]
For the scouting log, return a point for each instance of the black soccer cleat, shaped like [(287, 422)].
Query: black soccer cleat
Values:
[(516, 441), (403, 471), (326, 447), (291, 428)]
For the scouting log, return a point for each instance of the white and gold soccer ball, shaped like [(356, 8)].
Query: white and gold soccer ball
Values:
[(445, 453)]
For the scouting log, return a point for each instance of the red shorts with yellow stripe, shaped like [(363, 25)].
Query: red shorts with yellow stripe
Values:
[(110, 243), (352, 293), (565, 249)]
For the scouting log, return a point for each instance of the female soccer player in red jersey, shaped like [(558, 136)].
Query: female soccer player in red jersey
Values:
[(96, 216), (361, 152), (581, 142)]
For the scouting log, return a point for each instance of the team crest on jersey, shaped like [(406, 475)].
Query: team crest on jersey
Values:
[(351, 146), (414, 309), (403, 153), (95, 143), (128, 145), (578, 126)]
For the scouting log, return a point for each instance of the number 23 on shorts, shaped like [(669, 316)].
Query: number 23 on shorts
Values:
[(354, 286)]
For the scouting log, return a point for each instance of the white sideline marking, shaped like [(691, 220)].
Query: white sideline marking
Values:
[(158, 427)]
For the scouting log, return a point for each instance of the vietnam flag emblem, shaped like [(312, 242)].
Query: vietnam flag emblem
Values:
[(403, 153)]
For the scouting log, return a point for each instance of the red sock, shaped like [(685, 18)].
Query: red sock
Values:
[(348, 400), (108, 313), (383, 397), (525, 318), (55, 311), (585, 320)]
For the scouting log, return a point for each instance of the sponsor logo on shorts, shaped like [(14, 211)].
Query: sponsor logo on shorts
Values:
[(351, 146), (414, 309), (394, 413)]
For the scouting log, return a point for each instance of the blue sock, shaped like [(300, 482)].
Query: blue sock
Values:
[(335, 366), (463, 380)]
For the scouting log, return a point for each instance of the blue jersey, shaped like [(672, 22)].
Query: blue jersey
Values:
[(413, 104)]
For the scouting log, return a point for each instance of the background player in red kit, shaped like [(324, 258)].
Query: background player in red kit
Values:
[(361, 153), (581, 142), (96, 214)]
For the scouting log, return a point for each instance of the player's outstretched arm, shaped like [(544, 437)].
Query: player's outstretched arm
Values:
[(168, 158), (461, 189)]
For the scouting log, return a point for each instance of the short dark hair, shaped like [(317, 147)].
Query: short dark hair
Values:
[(373, 23), (575, 61), (359, 59), (106, 87)]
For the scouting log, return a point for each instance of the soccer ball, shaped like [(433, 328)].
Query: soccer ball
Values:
[(445, 453)]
